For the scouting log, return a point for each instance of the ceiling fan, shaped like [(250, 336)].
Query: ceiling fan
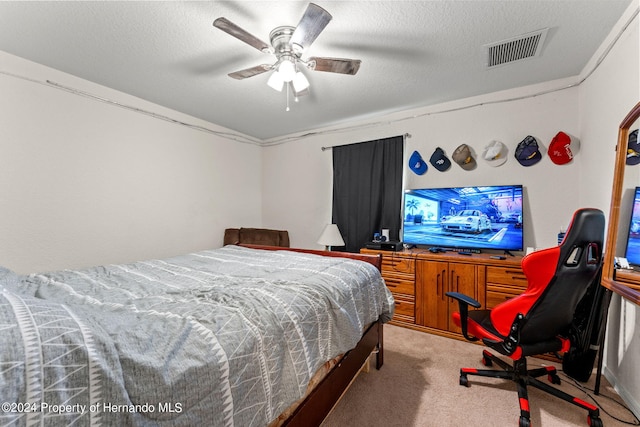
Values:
[(288, 44)]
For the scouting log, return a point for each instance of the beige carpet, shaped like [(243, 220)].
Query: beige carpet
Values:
[(418, 386)]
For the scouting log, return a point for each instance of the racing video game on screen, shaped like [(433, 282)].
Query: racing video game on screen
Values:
[(464, 217)]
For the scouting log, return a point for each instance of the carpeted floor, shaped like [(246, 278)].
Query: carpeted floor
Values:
[(418, 386)]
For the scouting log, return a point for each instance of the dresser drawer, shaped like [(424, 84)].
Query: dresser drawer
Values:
[(497, 294), (506, 275), (393, 265), (400, 285), (405, 307), (495, 298)]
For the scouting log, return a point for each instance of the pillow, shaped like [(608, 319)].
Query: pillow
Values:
[(8, 279)]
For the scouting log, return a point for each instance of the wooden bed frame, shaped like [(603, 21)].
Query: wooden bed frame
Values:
[(319, 402)]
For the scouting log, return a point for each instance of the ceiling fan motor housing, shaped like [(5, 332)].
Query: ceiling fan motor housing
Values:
[(280, 40)]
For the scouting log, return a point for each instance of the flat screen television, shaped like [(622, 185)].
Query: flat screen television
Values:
[(464, 218), (632, 253)]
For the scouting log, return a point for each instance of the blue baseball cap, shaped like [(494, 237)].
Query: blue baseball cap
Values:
[(416, 164)]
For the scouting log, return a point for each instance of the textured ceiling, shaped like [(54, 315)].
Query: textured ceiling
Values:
[(414, 53)]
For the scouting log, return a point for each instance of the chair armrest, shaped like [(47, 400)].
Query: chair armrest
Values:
[(464, 301)]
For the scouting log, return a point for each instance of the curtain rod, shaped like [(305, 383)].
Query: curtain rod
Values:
[(406, 135)]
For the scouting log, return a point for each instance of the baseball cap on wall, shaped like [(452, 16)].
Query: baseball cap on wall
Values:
[(633, 149), (416, 164), (528, 152), (439, 160), (463, 157), (563, 148), (495, 153)]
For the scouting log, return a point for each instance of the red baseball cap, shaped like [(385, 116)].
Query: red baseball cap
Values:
[(563, 148)]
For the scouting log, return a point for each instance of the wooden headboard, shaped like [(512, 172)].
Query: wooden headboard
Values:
[(256, 236), (375, 260)]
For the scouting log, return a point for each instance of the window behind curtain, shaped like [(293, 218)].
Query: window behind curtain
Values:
[(367, 190)]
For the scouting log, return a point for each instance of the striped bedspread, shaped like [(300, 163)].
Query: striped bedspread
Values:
[(224, 337)]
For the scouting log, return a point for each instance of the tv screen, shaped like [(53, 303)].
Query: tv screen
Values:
[(472, 218), (632, 252)]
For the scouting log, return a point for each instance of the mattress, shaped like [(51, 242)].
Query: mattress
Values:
[(223, 337)]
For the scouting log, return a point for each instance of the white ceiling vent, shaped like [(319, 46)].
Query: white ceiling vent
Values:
[(515, 49)]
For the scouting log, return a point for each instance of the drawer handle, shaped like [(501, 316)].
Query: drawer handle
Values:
[(518, 272)]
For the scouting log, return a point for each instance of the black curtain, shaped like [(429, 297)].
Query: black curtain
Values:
[(367, 190)]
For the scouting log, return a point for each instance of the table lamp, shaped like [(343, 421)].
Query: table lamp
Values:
[(330, 237)]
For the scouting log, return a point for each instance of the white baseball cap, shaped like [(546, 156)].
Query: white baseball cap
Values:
[(495, 153)]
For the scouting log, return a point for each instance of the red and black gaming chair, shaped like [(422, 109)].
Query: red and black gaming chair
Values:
[(538, 320)]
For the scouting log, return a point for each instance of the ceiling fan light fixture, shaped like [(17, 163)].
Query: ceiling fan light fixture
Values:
[(300, 82), (287, 70), (288, 44), (276, 81)]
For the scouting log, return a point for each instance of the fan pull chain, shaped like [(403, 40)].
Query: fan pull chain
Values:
[(287, 109)]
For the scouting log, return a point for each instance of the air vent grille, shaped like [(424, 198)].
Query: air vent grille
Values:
[(515, 49)]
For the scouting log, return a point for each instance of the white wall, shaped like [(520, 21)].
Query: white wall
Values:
[(606, 96), (297, 188), (605, 99), (83, 182), (297, 173)]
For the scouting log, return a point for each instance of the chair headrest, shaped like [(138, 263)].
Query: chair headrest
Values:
[(586, 228)]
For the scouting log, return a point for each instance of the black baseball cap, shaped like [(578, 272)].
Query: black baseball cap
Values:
[(528, 152), (439, 160), (633, 149)]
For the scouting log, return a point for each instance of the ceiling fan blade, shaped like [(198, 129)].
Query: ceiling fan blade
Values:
[(230, 28), (250, 72), (310, 26), (335, 65)]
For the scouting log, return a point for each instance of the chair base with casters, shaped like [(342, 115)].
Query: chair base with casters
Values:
[(511, 345), (524, 377), (545, 318)]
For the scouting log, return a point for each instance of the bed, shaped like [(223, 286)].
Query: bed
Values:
[(224, 337)]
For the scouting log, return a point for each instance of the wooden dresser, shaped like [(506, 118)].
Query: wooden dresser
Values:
[(419, 280)]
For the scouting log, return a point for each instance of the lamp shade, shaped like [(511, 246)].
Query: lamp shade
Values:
[(276, 81), (331, 236), (300, 82), (287, 70)]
